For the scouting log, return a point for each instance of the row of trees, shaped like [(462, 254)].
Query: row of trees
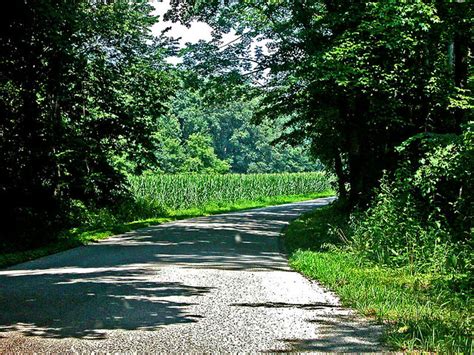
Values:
[(201, 136), (80, 82)]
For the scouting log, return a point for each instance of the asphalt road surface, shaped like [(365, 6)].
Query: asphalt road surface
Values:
[(209, 284)]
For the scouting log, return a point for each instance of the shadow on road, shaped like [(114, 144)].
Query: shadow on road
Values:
[(83, 304), (341, 334)]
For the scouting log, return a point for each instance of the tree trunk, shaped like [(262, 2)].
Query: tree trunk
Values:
[(359, 153), (341, 178)]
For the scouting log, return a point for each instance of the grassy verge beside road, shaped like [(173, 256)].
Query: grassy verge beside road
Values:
[(421, 311)]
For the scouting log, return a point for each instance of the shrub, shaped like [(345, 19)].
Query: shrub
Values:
[(421, 216)]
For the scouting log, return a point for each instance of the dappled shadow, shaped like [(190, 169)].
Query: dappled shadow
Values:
[(86, 291), (338, 332), (85, 302)]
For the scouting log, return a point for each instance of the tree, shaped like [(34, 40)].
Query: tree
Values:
[(357, 77), (233, 136), (200, 156), (81, 83)]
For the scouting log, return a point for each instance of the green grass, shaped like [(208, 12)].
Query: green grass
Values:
[(82, 236), (419, 310)]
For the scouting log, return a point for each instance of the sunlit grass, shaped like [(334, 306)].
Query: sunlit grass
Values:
[(420, 311)]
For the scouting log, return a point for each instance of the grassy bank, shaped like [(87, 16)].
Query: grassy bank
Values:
[(85, 235), (421, 311)]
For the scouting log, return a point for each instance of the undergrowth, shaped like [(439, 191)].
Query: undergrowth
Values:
[(421, 310)]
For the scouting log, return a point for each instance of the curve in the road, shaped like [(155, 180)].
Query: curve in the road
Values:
[(215, 283)]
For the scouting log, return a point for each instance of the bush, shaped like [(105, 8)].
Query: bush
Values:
[(422, 214)]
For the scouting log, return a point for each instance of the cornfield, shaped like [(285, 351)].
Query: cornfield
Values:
[(172, 192)]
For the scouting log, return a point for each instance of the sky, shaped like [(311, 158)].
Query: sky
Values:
[(196, 32)]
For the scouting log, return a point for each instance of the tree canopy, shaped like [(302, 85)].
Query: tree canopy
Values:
[(357, 77), (80, 82), (225, 131)]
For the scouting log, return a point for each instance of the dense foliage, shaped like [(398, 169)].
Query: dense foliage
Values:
[(201, 136), (80, 82), (422, 216), (357, 77)]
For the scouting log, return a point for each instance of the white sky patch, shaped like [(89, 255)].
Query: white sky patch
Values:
[(198, 30)]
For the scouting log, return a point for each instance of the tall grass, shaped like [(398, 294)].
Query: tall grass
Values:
[(175, 192)]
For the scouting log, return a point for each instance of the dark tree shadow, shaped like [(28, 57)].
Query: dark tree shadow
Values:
[(83, 305), (339, 333)]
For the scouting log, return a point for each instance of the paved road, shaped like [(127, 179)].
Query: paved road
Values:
[(214, 283)]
